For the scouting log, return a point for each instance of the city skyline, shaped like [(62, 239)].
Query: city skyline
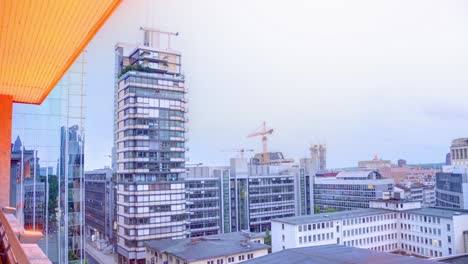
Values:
[(365, 78)]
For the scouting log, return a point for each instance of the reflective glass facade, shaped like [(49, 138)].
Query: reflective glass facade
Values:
[(52, 183)]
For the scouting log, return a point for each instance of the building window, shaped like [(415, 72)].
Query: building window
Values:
[(282, 226), (449, 239), (448, 227), (450, 251)]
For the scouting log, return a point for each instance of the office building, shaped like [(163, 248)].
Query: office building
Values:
[(99, 207), (27, 190), (318, 153), (150, 145), (335, 254), (374, 164), (305, 181), (459, 152), (243, 196), (452, 187), (417, 192), (390, 225), (207, 202), (259, 192), (233, 247), (350, 189)]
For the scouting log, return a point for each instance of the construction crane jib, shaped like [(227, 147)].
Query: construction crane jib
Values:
[(263, 132)]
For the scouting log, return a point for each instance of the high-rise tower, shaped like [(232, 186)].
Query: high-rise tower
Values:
[(149, 144)]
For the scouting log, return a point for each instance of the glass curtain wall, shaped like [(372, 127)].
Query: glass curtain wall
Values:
[(48, 167)]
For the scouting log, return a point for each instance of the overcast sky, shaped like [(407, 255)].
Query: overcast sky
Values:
[(364, 77)]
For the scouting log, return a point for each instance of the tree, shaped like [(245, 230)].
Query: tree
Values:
[(330, 210), (316, 209)]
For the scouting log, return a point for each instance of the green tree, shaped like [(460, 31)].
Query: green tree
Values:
[(53, 193), (330, 210), (316, 209)]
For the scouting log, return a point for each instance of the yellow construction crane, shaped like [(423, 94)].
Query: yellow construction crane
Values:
[(263, 133)]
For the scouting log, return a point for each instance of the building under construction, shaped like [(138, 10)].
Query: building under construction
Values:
[(318, 154)]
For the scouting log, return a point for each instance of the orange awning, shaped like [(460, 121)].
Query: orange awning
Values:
[(40, 40)]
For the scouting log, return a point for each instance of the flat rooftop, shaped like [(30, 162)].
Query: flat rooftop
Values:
[(438, 212), (305, 219), (331, 254), (199, 248)]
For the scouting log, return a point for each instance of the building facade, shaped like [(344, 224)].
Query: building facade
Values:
[(459, 152), (260, 193), (350, 190), (27, 187), (205, 199), (452, 187), (99, 209), (389, 225), (150, 146), (244, 196)]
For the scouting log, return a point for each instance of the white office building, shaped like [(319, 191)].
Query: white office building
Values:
[(389, 225)]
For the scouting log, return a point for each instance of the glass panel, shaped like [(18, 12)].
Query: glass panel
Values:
[(47, 167)]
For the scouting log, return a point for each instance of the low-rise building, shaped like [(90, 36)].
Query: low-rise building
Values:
[(233, 247), (389, 225), (417, 192), (350, 189), (335, 254)]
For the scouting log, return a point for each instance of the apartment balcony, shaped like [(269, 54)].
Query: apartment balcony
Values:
[(178, 139), (18, 245)]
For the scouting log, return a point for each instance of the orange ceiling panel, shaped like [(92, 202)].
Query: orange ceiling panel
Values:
[(40, 40)]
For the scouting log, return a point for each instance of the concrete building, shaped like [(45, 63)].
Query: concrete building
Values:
[(260, 193), (374, 164), (459, 152), (350, 189), (217, 249), (305, 181), (389, 225), (99, 208), (335, 254), (242, 196), (150, 128), (452, 187), (207, 203), (417, 192), (318, 153)]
